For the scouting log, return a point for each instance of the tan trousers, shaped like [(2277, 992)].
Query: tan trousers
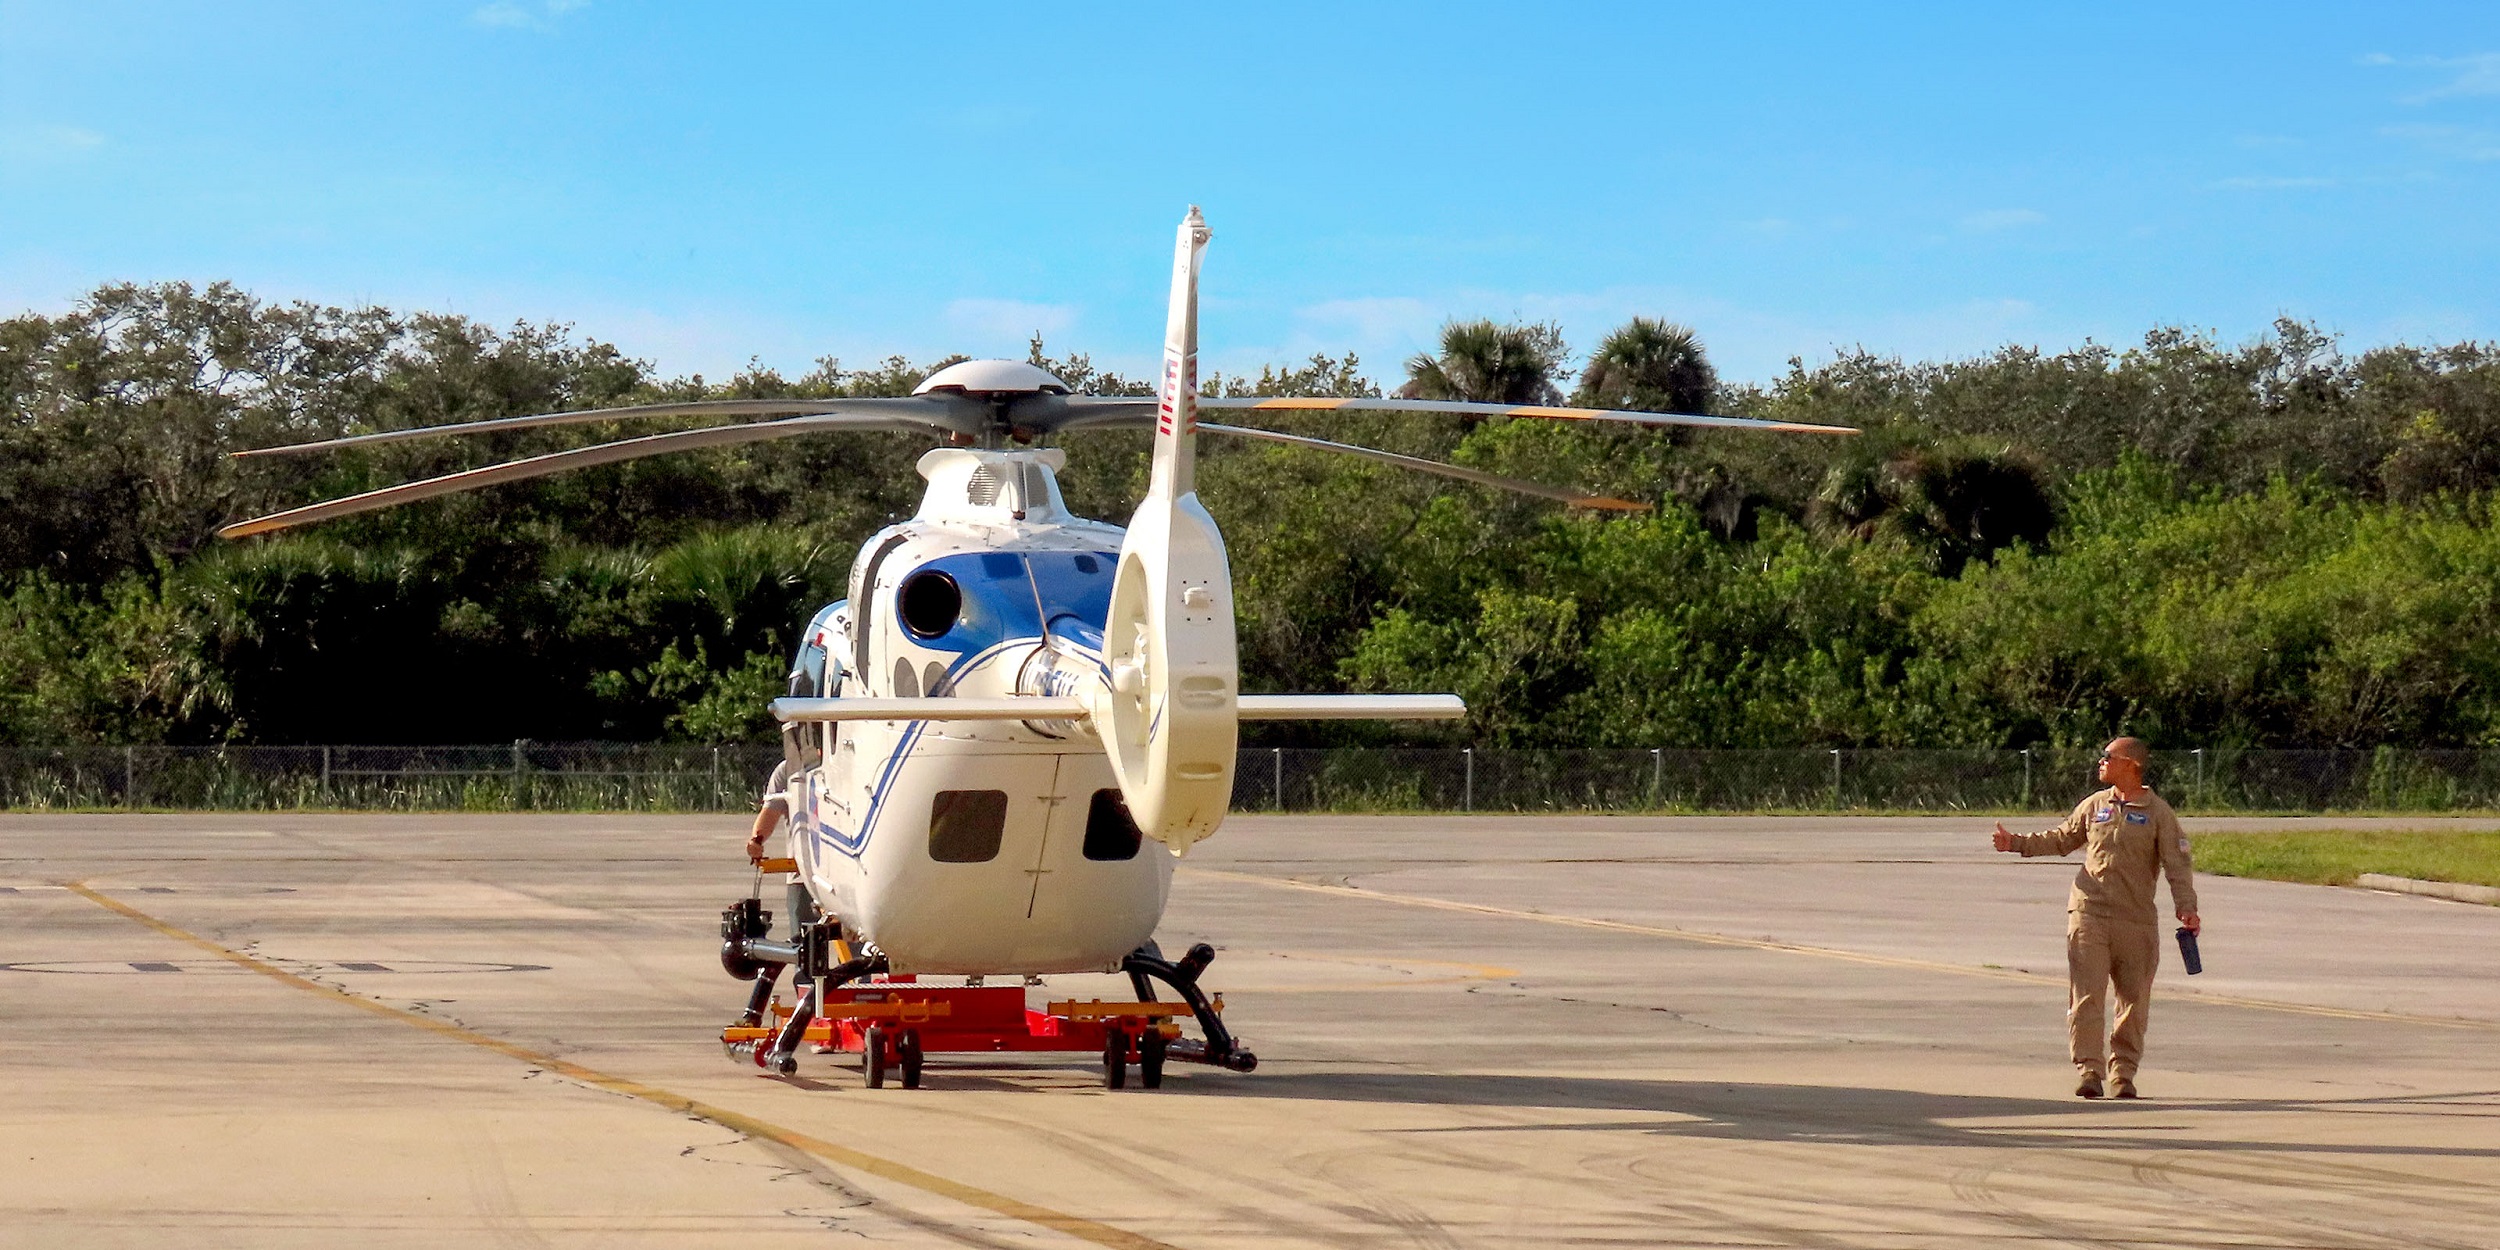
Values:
[(2098, 954)]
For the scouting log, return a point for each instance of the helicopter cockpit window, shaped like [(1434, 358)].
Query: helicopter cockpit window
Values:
[(929, 602), (965, 825), (1109, 832)]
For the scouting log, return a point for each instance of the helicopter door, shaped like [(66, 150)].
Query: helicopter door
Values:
[(840, 769)]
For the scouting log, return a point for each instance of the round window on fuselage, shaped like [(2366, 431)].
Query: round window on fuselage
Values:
[(928, 601)]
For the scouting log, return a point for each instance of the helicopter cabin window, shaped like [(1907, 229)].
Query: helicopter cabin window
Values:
[(1109, 832), (965, 825)]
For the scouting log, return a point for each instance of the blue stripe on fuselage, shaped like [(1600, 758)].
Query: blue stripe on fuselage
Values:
[(998, 612), (998, 600), (828, 834)]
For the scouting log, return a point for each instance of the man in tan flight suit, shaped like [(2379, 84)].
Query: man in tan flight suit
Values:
[(2129, 835)]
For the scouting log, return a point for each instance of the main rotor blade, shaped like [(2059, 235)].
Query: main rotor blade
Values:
[(1076, 412), (1463, 408), (1084, 411), (557, 462), (928, 410), (1574, 498)]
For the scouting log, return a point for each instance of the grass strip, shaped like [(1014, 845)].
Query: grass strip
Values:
[(2337, 856)]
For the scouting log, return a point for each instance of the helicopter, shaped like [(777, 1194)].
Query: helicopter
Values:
[(1012, 700)]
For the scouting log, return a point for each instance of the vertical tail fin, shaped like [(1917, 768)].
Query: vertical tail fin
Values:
[(1176, 408), (1167, 716)]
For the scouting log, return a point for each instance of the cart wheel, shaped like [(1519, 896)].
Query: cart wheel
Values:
[(907, 1048), (1150, 1059), (1115, 1061), (872, 1055)]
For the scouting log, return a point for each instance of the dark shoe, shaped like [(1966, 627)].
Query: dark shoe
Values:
[(2122, 1087), (2088, 1087)]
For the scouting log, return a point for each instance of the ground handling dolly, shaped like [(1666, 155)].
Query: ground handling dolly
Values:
[(848, 1000)]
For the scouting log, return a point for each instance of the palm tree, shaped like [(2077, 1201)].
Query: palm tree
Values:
[(1488, 362), (1649, 366), (1960, 500)]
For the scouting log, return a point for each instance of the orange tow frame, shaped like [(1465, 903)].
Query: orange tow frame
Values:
[(969, 1020)]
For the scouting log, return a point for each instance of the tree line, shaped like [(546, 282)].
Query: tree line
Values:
[(2269, 543)]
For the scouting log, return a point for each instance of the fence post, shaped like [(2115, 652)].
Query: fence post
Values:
[(1835, 779), (516, 774), (1657, 774), (325, 776), (2199, 792), (715, 799), (2026, 778), (130, 777), (1467, 796), (1277, 756)]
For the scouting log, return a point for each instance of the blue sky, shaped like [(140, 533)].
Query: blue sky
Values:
[(706, 184)]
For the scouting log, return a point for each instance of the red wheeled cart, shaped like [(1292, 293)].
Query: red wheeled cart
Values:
[(892, 1024)]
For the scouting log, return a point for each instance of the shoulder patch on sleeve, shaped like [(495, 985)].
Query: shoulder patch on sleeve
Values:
[(2183, 843)]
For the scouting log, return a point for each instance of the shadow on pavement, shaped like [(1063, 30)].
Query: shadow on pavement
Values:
[(1845, 1114)]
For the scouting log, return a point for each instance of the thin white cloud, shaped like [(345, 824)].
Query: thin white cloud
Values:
[(2455, 142), (991, 323), (48, 142), (1374, 319), (2003, 219), (1382, 330), (512, 15), (2475, 74)]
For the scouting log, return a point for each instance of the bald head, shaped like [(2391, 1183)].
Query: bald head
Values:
[(2122, 765)]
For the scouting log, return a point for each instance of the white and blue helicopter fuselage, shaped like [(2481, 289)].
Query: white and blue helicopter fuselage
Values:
[(973, 847)]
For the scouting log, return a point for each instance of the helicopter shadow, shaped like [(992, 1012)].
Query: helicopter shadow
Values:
[(1850, 1115)]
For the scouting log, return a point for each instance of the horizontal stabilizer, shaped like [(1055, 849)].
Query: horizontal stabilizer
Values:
[(1352, 707), (1025, 707)]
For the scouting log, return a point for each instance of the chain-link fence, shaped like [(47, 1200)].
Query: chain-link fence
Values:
[(1810, 780), (600, 776), (518, 776)]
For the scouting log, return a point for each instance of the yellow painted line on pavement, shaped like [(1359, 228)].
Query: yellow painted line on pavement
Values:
[(1700, 937), (859, 1161)]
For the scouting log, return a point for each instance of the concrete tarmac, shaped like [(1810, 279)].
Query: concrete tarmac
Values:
[(290, 1030)]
